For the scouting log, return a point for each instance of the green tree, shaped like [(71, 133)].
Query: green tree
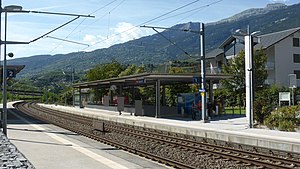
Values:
[(235, 87), (260, 73), (132, 69), (236, 67), (105, 71), (173, 89)]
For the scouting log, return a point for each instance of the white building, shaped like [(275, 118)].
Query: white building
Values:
[(282, 50)]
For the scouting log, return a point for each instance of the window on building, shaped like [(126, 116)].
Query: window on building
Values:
[(297, 72), (296, 42), (296, 58)]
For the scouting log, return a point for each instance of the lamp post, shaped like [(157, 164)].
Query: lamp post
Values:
[(4, 108)]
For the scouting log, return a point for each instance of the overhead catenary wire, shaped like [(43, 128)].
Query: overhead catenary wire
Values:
[(103, 6), (66, 40), (99, 18), (174, 10), (54, 29), (108, 24), (151, 21), (173, 43), (83, 21), (200, 9), (192, 10), (66, 37)]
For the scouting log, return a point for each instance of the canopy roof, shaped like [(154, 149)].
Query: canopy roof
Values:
[(148, 79)]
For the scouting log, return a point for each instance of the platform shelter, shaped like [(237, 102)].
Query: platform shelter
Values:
[(158, 80)]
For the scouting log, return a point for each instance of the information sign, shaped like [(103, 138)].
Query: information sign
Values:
[(196, 80), (11, 73)]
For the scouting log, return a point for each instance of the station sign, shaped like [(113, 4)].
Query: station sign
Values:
[(292, 81), (196, 80), (11, 73), (140, 81), (202, 90)]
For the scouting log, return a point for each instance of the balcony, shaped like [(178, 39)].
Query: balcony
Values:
[(270, 66), (216, 86), (269, 81), (213, 70)]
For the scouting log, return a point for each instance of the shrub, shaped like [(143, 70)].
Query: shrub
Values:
[(284, 119), (262, 109), (286, 125)]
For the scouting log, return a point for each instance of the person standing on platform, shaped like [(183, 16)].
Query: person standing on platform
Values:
[(194, 109), (200, 108)]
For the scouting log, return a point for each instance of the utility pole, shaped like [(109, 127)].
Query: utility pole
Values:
[(249, 77), (4, 101), (1, 113), (250, 40), (73, 98), (203, 73)]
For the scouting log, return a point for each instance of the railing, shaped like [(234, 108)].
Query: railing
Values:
[(270, 66), (269, 81), (216, 86), (213, 70)]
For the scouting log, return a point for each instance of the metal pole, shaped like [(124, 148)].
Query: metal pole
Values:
[(80, 101), (293, 102), (157, 99), (73, 99), (251, 83), (203, 79), (249, 77), (4, 80), (1, 113)]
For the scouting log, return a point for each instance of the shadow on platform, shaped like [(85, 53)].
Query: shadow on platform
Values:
[(40, 142), (14, 114), (58, 144), (44, 131)]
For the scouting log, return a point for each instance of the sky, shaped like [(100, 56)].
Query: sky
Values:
[(116, 21)]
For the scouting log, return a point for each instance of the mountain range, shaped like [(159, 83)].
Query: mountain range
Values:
[(157, 48)]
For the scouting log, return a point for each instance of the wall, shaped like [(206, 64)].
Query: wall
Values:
[(284, 63), (270, 65)]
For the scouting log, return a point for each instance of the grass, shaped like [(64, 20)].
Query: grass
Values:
[(236, 110)]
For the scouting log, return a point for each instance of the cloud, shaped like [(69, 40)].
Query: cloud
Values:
[(126, 31), (91, 39), (121, 33)]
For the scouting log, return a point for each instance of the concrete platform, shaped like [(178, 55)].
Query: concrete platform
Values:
[(50, 147), (231, 130)]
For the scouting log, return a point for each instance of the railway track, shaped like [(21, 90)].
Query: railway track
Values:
[(190, 148)]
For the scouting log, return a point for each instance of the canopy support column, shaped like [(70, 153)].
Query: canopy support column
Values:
[(157, 95)]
